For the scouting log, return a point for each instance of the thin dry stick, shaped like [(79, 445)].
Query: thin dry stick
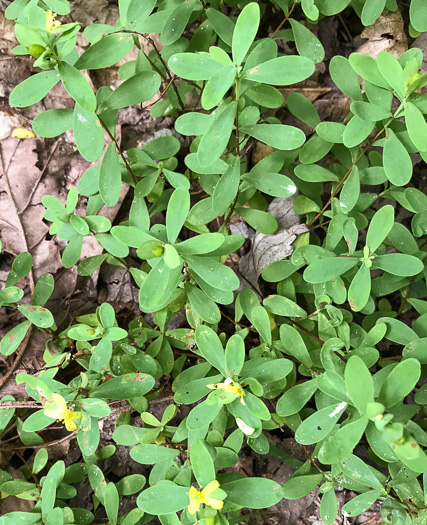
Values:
[(377, 515), (119, 149), (26, 340), (17, 210), (283, 22), (408, 291), (66, 438), (341, 182)]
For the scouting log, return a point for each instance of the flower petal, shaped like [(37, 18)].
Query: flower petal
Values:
[(193, 507), (54, 414), (214, 503), (210, 487)]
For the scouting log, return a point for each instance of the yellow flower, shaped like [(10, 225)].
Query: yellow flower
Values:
[(62, 413), (21, 133), (51, 22), (230, 386), (197, 497)]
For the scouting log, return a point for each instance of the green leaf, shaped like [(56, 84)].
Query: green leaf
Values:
[(77, 86), (221, 24), (202, 305), (324, 270), (265, 95), (360, 289), (21, 266), (299, 486), (418, 15), (359, 383), (50, 485), (273, 184), (234, 355), (214, 141), (227, 187), (350, 191), (106, 52), (392, 72), (40, 460), (399, 264), (53, 122), (360, 503), (260, 221), (201, 463), (417, 126), (280, 305), (345, 77), (37, 315), (148, 454), (33, 89), (308, 45), (295, 399), (210, 347), (214, 273), (371, 11), (175, 23), (154, 500), (43, 289), (416, 349), (356, 131), (294, 344), (341, 444), (88, 439), (261, 322), (278, 136), (356, 468), (367, 68), (110, 179), (193, 123), (126, 386), (303, 109), (178, 208), (369, 112), (245, 32), (281, 71), (217, 86), (88, 133), (94, 407), (400, 381), (317, 426), (137, 89), (158, 286), (328, 507), (112, 503), (202, 415), (396, 160), (256, 493), (194, 66), (204, 243), (379, 227)]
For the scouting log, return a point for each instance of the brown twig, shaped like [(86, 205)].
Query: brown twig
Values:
[(24, 344), (408, 291), (119, 149), (371, 520), (18, 212), (341, 182), (283, 22)]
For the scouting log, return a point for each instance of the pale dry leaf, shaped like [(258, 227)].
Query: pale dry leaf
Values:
[(267, 249), (387, 34)]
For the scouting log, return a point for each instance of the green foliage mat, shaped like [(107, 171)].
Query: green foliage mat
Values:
[(304, 356)]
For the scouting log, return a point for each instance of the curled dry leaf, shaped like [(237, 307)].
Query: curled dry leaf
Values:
[(267, 249)]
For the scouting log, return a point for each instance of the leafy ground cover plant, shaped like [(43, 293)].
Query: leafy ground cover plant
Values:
[(303, 355)]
